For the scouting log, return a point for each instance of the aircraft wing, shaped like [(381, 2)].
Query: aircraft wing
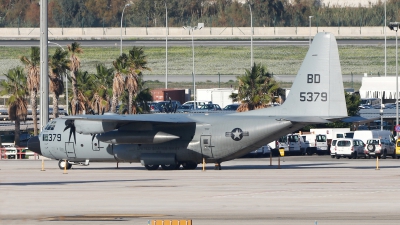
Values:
[(162, 118), (95, 124)]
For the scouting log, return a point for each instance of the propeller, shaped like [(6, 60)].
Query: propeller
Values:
[(76, 108), (69, 124)]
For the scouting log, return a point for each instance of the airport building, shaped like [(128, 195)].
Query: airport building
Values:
[(379, 87)]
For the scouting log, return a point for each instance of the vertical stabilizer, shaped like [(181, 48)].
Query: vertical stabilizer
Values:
[(317, 90)]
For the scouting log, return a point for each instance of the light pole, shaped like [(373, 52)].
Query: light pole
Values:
[(66, 79), (251, 42), (385, 40), (44, 66), (191, 29), (310, 30), (122, 16), (166, 45), (381, 113), (395, 26)]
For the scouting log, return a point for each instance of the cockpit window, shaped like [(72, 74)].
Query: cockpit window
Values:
[(51, 125)]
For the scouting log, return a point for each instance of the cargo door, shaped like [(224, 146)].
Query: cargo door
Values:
[(70, 149), (206, 147)]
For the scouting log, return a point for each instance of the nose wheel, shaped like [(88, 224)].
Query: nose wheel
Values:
[(61, 164)]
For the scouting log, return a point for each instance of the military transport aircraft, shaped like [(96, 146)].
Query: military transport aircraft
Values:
[(172, 140)]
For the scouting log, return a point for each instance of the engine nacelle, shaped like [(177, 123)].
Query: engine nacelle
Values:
[(93, 127), (136, 137)]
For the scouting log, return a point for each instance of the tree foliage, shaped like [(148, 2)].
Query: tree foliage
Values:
[(214, 13), (59, 64), (32, 67), (15, 86), (257, 89)]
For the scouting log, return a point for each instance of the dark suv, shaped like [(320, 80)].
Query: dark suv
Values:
[(164, 106)]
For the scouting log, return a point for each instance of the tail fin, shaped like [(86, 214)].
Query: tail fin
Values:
[(317, 90)]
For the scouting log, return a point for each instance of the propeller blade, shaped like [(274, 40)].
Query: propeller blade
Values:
[(73, 131), (70, 133), (66, 127), (69, 124)]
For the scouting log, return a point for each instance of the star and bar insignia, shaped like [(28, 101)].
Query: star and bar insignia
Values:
[(236, 134)]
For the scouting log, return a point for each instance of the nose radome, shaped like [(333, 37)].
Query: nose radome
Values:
[(34, 145)]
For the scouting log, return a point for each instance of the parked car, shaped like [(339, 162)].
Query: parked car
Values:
[(333, 148), (231, 107), (398, 148), (198, 103), (164, 106), (185, 108), (210, 107), (3, 111), (380, 148), (350, 148)]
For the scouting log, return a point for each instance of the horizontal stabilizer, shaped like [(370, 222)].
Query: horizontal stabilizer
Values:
[(305, 119)]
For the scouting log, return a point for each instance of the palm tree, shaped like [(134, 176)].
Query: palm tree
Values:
[(74, 49), (120, 66), (15, 86), (86, 89), (59, 64), (32, 67), (141, 99), (256, 89), (137, 63), (103, 88)]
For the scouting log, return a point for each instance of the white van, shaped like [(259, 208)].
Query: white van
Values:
[(364, 135), (350, 148), (294, 142), (316, 143)]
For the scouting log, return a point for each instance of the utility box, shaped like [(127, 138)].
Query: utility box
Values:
[(166, 94)]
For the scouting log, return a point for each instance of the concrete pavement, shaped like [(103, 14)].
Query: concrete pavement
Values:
[(306, 190)]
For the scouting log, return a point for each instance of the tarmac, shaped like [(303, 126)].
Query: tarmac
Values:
[(306, 190)]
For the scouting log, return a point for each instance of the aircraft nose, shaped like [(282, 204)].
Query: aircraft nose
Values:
[(34, 145)]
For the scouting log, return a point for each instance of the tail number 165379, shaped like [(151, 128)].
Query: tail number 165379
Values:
[(313, 96)]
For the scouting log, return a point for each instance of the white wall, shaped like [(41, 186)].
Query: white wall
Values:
[(206, 32)]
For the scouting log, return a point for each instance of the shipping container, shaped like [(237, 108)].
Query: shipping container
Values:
[(165, 94)]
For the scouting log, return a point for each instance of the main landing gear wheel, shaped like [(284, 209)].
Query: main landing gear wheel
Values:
[(61, 164), (169, 166), (151, 167), (189, 166)]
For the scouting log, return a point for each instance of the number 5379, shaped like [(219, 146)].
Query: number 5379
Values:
[(313, 96)]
